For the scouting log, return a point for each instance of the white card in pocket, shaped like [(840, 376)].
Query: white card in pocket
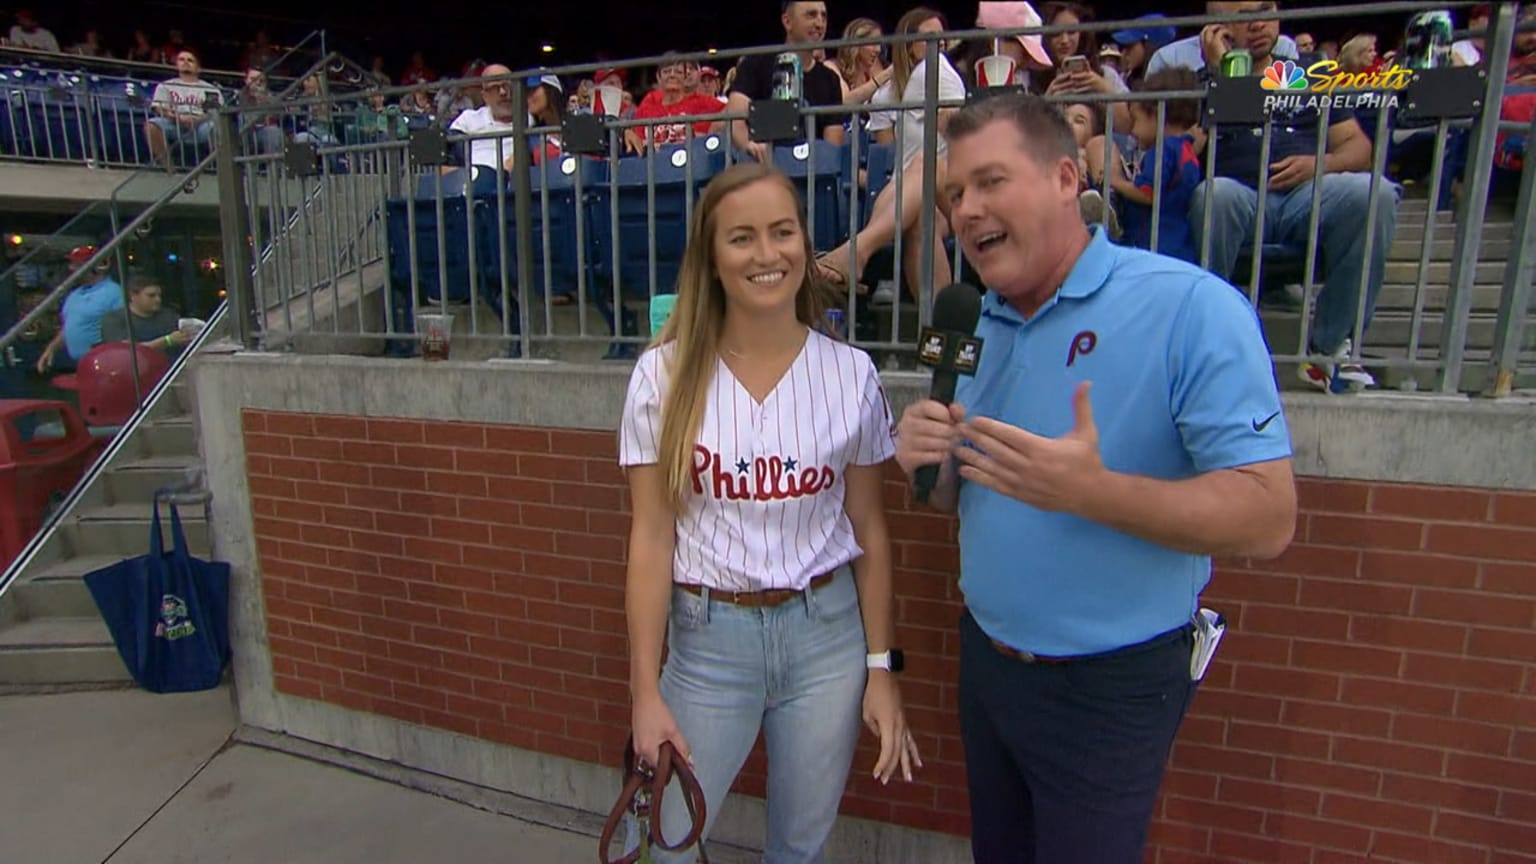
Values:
[(1209, 628)]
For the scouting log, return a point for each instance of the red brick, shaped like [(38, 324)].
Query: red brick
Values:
[(298, 425), (1516, 579), (252, 420), (1260, 708), (1516, 711), (1517, 645), (1290, 621), (1315, 774), (1349, 719), (336, 619), (434, 551), (403, 479), (1483, 542), (429, 458), (1434, 503), (593, 497), (1400, 694), (397, 431), (1223, 761), (486, 462), (1452, 734), (354, 428), (436, 595), (473, 579), (319, 449), (459, 531), (605, 472), (363, 604), (1515, 510), (267, 445), (1358, 532), (1408, 633), (930, 557), (1418, 569), (1294, 683), (1347, 659), (1312, 833), (440, 638), (560, 615), (562, 660), (367, 497), (1278, 739), (1378, 813), (555, 566), (1228, 846), (608, 524), (373, 686), (518, 440), (479, 709), (1496, 833), (271, 487), (1258, 588), (445, 483), (1306, 560), (1431, 792), (347, 517), (490, 558), (299, 687), (1463, 673), (344, 474), (1266, 795), (1372, 753), (468, 436), (324, 535), (1475, 608), (394, 670), (368, 453), (538, 721), (1253, 648), (503, 490), (1324, 496), (1356, 597), (1495, 772), (564, 470), (1518, 806), (382, 586)]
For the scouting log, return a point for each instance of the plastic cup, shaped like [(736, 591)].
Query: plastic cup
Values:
[(995, 71), (608, 100), (661, 309), (436, 333)]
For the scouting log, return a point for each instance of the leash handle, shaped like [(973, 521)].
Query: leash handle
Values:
[(638, 781)]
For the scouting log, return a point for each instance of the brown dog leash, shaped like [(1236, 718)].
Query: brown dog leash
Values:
[(642, 794)]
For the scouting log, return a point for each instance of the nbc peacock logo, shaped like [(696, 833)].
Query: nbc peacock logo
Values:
[(1284, 75)]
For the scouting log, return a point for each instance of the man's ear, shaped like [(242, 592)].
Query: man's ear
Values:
[(1069, 176)]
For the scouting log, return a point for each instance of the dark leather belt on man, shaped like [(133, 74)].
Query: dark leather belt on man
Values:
[(1038, 660), (766, 598)]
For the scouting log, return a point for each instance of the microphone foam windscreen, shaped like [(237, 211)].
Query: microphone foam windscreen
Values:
[(957, 308)]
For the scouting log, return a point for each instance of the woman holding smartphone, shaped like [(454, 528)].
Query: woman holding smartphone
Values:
[(754, 447)]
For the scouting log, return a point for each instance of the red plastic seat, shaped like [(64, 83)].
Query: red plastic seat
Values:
[(104, 381)]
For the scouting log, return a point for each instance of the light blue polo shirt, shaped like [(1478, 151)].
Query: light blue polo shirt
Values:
[(83, 310), (1182, 385)]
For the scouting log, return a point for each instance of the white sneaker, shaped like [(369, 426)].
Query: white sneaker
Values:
[(1339, 375), (885, 293)]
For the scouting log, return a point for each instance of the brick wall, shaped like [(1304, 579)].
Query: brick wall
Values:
[(1375, 698)]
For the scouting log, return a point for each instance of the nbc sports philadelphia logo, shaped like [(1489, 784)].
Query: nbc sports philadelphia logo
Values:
[(1289, 87)]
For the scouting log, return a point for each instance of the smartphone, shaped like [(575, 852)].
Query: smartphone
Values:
[(1074, 65)]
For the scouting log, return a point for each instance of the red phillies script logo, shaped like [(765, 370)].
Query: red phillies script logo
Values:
[(762, 479)]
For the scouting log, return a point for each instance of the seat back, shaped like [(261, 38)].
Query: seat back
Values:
[(105, 380)]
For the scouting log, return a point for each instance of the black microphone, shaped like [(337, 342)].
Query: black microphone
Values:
[(950, 348)]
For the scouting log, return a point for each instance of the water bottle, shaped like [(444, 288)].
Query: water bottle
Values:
[(788, 77), (1427, 41)]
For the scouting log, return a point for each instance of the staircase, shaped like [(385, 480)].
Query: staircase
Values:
[(50, 631)]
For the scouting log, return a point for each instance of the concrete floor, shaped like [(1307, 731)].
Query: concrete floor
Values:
[(128, 777)]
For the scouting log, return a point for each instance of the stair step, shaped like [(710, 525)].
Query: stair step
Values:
[(59, 651), (170, 437), (122, 530), (137, 480), (58, 590)]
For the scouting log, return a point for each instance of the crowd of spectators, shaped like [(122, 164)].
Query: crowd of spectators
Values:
[(1145, 56)]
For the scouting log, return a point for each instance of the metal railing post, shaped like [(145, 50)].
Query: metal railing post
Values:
[(1474, 204), (1519, 273), (235, 227), (522, 211)]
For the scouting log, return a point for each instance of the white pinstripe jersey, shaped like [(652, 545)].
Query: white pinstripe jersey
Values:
[(767, 503)]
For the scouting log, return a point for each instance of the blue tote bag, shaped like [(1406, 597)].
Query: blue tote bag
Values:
[(167, 611)]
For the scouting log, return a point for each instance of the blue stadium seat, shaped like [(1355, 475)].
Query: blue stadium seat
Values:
[(670, 168), (121, 110), (557, 179), (825, 159), (881, 165)]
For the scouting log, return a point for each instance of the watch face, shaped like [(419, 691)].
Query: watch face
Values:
[(897, 661)]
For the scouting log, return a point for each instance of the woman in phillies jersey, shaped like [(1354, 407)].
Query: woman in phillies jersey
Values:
[(754, 445)]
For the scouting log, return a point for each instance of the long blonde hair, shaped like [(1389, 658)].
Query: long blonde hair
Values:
[(848, 58), (696, 322), (901, 55)]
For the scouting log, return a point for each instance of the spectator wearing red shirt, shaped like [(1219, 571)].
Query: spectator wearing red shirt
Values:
[(671, 99), (418, 72)]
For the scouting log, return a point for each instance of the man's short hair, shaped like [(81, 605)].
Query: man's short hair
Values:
[(1047, 134), (138, 280), (1180, 112)]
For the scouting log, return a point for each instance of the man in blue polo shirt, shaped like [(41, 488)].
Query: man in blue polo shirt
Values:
[(1344, 200), (1087, 518), (96, 296)]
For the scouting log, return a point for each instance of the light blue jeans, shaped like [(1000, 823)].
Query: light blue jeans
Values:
[(1341, 237), (796, 672)]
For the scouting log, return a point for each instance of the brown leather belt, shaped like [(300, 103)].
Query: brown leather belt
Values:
[(1027, 657), (767, 598)]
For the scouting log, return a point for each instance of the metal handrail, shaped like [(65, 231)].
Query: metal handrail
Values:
[(110, 247), (119, 440)]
